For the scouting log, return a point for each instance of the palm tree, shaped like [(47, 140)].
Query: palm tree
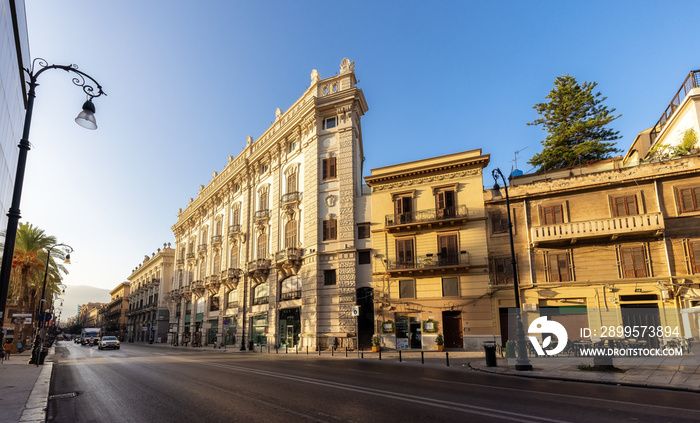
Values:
[(28, 266)]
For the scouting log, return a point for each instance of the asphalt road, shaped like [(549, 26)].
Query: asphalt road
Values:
[(142, 383)]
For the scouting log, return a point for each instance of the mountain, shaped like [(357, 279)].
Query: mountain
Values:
[(80, 294)]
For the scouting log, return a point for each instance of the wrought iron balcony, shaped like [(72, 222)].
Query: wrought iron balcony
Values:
[(262, 215), (289, 254), (292, 295), (691, 81), (216, 240), (261, 300), (258, 270), (290, 198), (234, 230), (610, 228), (429, 218), (202, 248), (429, 264), (180, 261), (190, 256)]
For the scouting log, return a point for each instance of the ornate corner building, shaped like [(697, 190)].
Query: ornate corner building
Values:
[(267, 252)]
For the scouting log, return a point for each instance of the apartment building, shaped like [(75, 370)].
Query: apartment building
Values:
[(430, 263), (266, 254), (114, 312), (611, 244), (147, 313)]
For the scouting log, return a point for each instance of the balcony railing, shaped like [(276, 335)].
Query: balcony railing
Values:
[(234, 230), (180, 261), (289, 254), (262, 214), (190, 255), (429, 261), (428, 215), (613, 227), (202, 248), (691, 81), (261, 300), (216, 240), (291, 295), (290, 198)]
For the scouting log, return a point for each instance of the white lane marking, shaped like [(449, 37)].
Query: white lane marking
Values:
[(551, 394), (485, 411)]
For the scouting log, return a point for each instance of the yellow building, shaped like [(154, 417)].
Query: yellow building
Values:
[(115, 311), (430, 268), (615, 243)]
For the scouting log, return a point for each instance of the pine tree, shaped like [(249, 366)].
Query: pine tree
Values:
[(576, 122)]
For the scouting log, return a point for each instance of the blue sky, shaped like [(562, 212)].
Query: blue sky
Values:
[(188, 81)]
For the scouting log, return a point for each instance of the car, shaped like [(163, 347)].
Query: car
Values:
[(77, 340), (108, 342)]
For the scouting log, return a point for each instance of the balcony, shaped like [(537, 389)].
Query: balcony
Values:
[(216, 240), (197, 288), (180, 261), (290, 199), (262, 215), (234, 230), (691, 81), (190, 256), (212, 284), (202, 248), (261, 300), (650, 224), (258, 270), (288, 261), (291, 295), (230, 277), (428, 265), (427, 219)]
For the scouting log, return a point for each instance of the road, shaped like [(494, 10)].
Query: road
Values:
[(148, 383)]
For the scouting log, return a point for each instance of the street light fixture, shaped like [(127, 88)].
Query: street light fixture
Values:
[(86, 119), (39, 337), (522, 362)]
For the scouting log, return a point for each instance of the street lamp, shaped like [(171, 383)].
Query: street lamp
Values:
[(522, 362), (39, 340), (86, 119)]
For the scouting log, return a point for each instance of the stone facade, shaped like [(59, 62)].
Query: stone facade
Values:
[(263, 251)]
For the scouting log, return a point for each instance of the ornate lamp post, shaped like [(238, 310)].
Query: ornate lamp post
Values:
[(86, 119), (41, 311), (522, 362)]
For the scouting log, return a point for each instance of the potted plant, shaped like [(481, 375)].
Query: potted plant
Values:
[(440, 342), (376, 343)]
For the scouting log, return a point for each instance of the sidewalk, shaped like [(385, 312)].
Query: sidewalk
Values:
[(24, 389)]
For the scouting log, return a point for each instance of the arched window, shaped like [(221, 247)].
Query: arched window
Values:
[(217, 228), (262, 294), (292, 184), (234, 257), (217, 264), (202, 269), (290, 234), (236, 219), (262, 246), (180, 278), (263, 200)]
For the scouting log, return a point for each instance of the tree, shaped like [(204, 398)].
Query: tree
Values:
[(28, 266), (576, 120)]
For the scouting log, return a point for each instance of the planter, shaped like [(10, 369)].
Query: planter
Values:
[(440, 347), (375, 349)]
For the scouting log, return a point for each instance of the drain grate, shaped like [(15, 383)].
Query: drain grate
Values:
[(60, 396)]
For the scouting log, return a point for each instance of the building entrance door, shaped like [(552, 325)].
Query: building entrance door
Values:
[(415, 335), (452, 326)]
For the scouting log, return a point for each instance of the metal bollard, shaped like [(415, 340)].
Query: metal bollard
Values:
[(447, 358), (307, 350), (285, 348), (332, 349), (346, 352), (380, 354), (400, 361), (422, 358), (362, 353)]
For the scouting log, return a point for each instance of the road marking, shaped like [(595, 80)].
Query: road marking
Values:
[(473, 409), (551, 394), (362, 371)]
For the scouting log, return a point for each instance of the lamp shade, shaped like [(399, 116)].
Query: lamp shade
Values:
[(496, 194), (86, 118)]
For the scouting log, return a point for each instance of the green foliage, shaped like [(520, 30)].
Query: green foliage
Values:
[(376, 342), (690, 138), (576, 122), (440, 340), (663, 151)]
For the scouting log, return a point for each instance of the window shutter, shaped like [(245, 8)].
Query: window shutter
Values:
[(332, 168)]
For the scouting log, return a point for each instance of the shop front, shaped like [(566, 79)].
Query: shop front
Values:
[(289, 327), (229, 331), (259, 329), (408, 331)]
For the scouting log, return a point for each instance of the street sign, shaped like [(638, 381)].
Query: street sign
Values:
[(226, 322), (355, 310)]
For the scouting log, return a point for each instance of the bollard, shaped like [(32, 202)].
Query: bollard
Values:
[(307, 350), (380, 354), (422, 359), (268, 348), (332, 349), (400, 361), (285, 348), (319, 350), (447, 358), (346, 352), (362, 353)]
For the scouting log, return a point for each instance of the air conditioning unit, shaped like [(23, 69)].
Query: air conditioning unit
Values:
[(529, 306)]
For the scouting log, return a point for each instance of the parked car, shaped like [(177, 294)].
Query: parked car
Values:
[(108, 342), (76, 339)]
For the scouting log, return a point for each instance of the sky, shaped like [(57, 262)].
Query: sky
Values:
[(187, 82)]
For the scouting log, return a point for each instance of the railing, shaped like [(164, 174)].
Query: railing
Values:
[(292, 295), (216, 239), (600, 227), (692, 81), (234, 230), (289, 254), (428, 215), (202, 248), (261, 300), (429, 262), (290, 197), (259, 264), (180, 261), (190, 255), (231, 272), (262, 214)]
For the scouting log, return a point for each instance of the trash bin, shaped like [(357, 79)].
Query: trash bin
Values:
[(490, 352)]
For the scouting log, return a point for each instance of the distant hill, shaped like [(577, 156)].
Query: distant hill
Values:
[(81, 294)]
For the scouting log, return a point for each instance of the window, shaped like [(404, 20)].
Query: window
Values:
[(552, 215), (329, 168), (292, 185), (214, 303), (407, 289), (330, 123), (202, 269), (232, 299), (262, 294), (689, 199), (329, 277), (450, 287), (263, 203), (217, 264), (234, 257), (262, 246), (364, 257), (402, 209), (292, 146), (625, 206), (264, 168), (694, 249), (501, 271), (363, 231), (330, 229), (499, 223), (290, 234), (445, 204), (559, 267), (236, 219), (633, 262), (404, 253), (291, 288), (449, 254)]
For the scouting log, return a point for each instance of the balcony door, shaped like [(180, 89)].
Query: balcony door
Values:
[(404, 253), (445, 204), (448, 255), (403, 210)]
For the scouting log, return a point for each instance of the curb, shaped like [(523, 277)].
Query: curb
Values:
[(38, 401), (600, 382)]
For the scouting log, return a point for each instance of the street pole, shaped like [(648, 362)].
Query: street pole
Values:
[(14, 212), (522, 363)]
